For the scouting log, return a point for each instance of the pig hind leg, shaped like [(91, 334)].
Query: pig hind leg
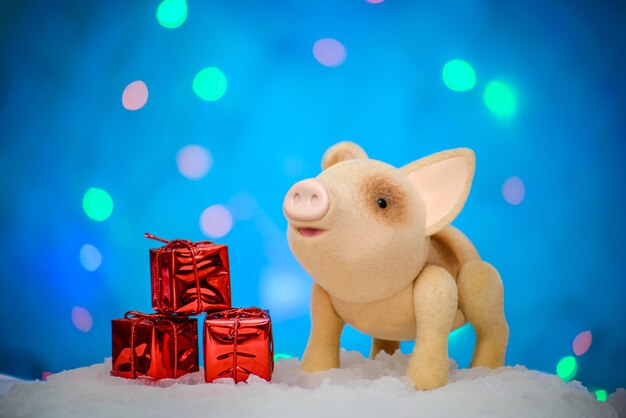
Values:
[(481, 299), (387, 346)]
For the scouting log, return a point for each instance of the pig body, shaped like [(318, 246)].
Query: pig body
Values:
[(377, 242)]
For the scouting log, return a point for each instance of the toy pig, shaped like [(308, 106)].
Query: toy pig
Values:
[(378, 244)]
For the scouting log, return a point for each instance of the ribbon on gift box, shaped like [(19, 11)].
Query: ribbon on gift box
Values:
[(172, 245), (233, 335), (138, 317)]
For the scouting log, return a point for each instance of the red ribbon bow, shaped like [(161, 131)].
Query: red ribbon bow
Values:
[(138, 317), (178, 243)]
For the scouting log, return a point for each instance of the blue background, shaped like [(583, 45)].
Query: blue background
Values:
[(64, 130)]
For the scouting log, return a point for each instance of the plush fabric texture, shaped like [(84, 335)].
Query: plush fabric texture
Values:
[(385, 260)]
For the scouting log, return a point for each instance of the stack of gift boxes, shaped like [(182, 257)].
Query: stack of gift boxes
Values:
[(191, 278)]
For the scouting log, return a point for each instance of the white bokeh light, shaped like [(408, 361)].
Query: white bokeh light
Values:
[(90, 257), (216, 221), (194, 161)]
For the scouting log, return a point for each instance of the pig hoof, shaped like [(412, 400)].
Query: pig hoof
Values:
[(428, 375)]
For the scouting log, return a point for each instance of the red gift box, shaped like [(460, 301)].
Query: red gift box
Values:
[(238, 343), (189, 277), (154, 345)]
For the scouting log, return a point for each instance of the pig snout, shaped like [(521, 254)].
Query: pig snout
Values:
[(307, 200)]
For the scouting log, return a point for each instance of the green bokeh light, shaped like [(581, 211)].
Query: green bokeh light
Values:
[(210, 84), (601, 395), (172, 13), (281, 355), (566, 368), (97, 204), (500, 99), (459, 75)]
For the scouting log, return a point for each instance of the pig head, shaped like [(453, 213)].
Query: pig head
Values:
[(361, 228)]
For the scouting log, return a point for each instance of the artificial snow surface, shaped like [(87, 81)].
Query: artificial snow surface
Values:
[(361, 388)]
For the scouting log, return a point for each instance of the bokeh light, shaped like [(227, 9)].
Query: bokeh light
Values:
[(459, 75), (216, 221), (98, 204), (44, 375), (601, 395), (194, 161), (90, 257), (281, 355), (513, 190), (329, 52), (81, 318), (581, 343), (566, 368), (210, 84), (172, 13), (135, 95), (374, 1), (500, 99)]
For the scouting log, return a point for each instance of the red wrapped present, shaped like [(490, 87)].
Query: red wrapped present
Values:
[(189, 277), (154, 345), (238, 343)]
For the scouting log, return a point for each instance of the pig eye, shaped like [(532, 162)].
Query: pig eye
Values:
[(382, 203)]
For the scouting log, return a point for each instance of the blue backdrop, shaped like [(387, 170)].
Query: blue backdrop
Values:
[(546, 206)]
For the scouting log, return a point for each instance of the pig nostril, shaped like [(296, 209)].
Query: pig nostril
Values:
[(314, 200), (296, 198)]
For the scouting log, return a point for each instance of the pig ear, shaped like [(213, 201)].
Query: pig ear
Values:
[(443, 181), (340, 152)]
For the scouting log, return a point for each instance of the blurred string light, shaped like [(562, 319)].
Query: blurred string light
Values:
[(458, 75), (500, 99), (172, 13), (90, 257), (329, 52), (582, 343), (194, 161), (513, 190), (135, 95), (601, 395), (566, 368), (81, 318), (210, 84), (281, 355), (216, 221), (97, 204)]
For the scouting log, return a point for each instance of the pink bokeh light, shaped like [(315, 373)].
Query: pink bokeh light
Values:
[(81, 318), (135, 95), (194, 161), (44, 375), (329, 52), (216, 221), (581, 343), (374, 1), (513, 190)]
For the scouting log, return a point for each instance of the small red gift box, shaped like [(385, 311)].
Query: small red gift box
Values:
[(154, 345), (189, 277), (238, 343)]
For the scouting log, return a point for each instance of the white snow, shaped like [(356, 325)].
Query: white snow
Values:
[(361, 388)]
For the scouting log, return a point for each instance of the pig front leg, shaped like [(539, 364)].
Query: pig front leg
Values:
[(435, 300), (322, 350)]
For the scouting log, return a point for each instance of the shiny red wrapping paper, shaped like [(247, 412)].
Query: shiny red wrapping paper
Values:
[(154, 345), (189, 277), (238, 343)]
